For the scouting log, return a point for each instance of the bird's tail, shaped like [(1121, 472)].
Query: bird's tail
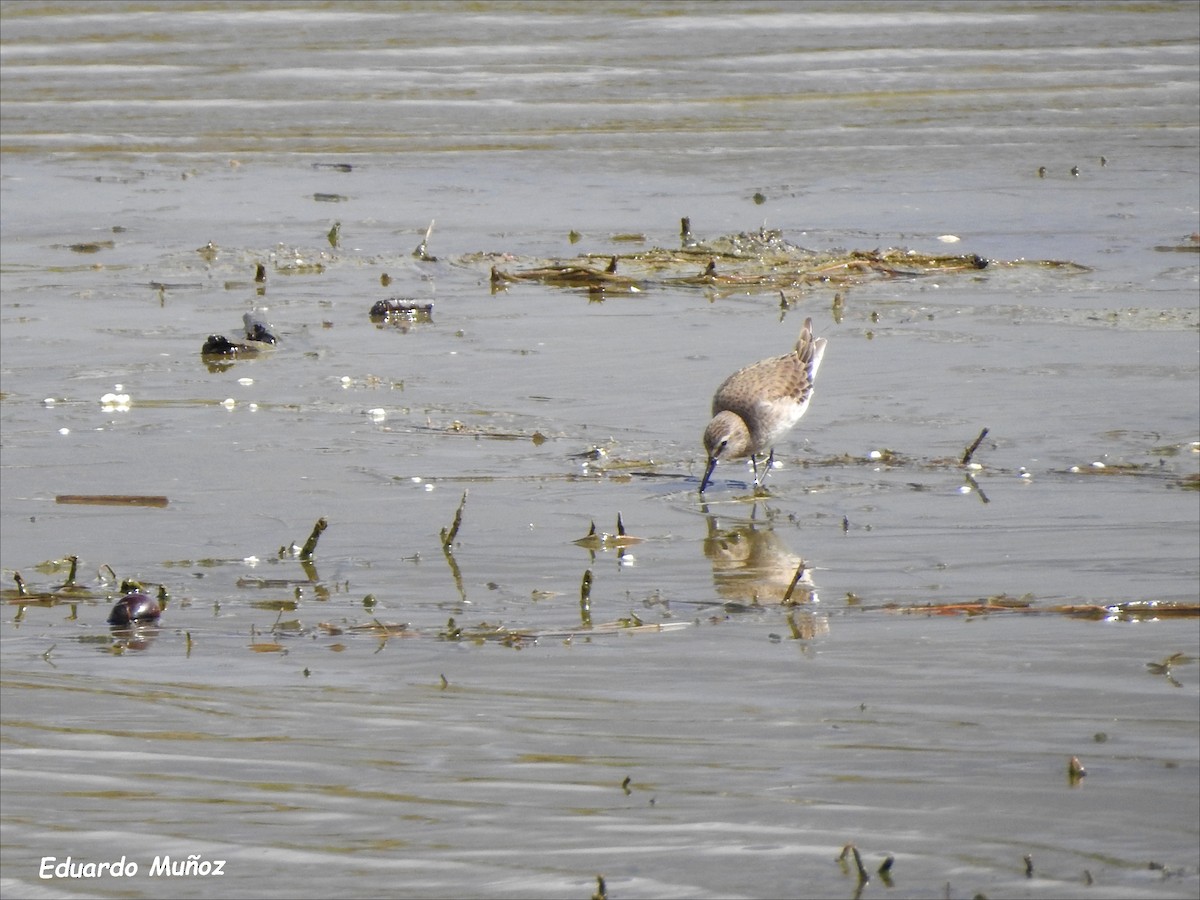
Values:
[(810, 350)]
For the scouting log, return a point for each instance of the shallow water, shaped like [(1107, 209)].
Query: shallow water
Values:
[(270, 722)]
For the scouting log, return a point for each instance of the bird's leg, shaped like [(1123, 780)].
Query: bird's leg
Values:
[(766, 467)]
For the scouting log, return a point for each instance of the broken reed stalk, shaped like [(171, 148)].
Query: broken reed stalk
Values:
[(970, 451), (448, 535), (111, 500), (863, 876), (310, 546), (850, 849), (787, 596), (585, 599), (422, 251)]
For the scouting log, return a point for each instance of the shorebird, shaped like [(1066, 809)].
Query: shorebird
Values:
[(757, 405)]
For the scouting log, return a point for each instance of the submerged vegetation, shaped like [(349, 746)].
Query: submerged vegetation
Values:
[(749, 262)]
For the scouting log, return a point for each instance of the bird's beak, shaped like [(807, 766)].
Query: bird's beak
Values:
[(712, 464)]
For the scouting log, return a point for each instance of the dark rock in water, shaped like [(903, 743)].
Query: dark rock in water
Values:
[(135, 609), (396, 308), (219, 345)]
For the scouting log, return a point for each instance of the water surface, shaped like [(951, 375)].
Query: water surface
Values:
[(271, 722)]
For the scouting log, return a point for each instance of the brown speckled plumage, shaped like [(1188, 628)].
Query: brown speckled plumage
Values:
[(757, 405)]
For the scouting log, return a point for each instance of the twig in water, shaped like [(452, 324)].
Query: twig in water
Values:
[(422, 251), (448, 535), (70, 582), (848, 850), (310, 546), (970, 451), (787, 596), (585, 599)]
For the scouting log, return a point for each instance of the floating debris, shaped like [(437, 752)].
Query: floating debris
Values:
[(576, 274), (290, 261), (585, 600), (1190, 244), (111, 500), (259, 336), (422, 250), (310, 546), (1131, 611), (748, 261), (594, 540), (449, 534), (1075, 771), (116, 402), (92, 246), (257, 328), (401, 311), (851, 851), (219, 345), (375, 627), (970, 451)]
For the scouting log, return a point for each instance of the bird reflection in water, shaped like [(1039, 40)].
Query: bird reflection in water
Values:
[(753, 567)]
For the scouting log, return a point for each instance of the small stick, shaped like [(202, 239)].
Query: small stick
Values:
[(110, 500), (448, 535), (585, 599), (849, 849), (787, 596), (970, 451), (863, 877), (310, 546), (422, 251)]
